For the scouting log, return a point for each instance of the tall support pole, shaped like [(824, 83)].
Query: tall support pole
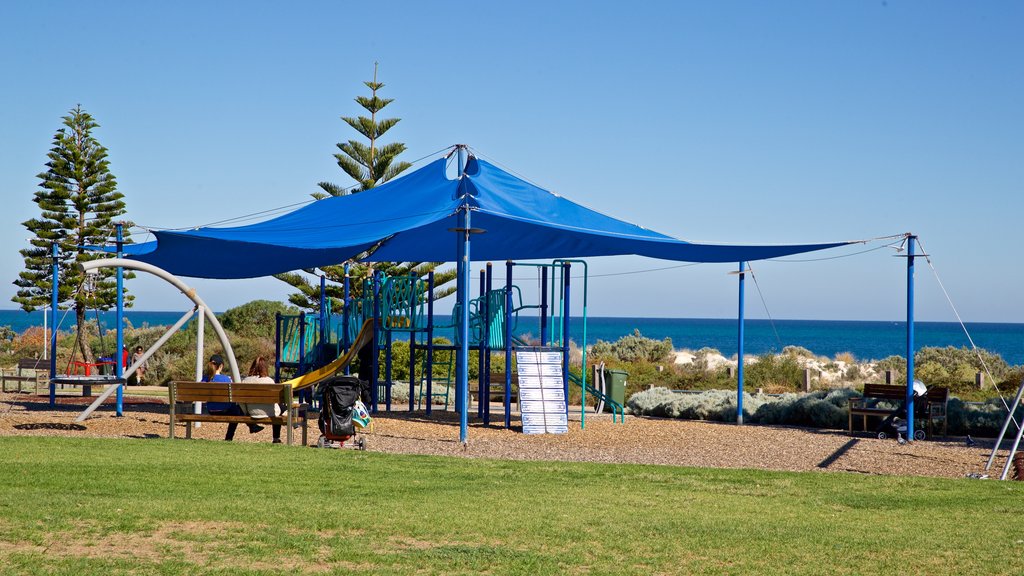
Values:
[(375, 346), (277, 346), (463, 271), (119, 364), (739, 349), (346, 318), (508, 344), (911, 240), (428, 370), (566, 268), (481, 348), (323, 318), (54, 290), (544, 306), (302, 342), (488, 326), (388, 365), (197, 407)]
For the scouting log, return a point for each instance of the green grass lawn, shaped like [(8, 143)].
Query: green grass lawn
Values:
[(93, 506)]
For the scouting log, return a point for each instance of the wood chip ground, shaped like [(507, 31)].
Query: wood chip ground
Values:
[(639, 440)]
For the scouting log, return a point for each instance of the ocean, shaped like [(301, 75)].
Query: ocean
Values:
[(866, 340)]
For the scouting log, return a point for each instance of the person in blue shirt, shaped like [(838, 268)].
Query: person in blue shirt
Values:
[(215, 366)]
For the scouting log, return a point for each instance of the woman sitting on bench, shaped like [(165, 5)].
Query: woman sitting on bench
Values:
[(258, 374)]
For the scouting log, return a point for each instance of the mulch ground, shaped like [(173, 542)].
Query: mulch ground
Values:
[(640, 440)]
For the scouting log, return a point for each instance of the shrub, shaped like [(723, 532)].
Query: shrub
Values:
[(634, 347), (775, 372), (846, 357), (256, 318), (797, 352)]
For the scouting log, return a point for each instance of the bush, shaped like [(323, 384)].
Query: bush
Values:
[(255, 319), (774, 373), (822, 409), (634, 348), (797, 352)]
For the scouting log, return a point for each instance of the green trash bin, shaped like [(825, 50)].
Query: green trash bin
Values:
[(615, 386)]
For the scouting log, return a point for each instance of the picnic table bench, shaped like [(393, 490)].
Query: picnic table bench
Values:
[(237, 392), (931, 407)]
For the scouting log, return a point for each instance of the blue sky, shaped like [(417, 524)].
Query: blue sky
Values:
[(743, 122)]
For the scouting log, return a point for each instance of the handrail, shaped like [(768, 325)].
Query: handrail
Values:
[(615, 406)]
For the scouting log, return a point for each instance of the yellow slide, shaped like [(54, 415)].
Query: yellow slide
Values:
[(311, 378)]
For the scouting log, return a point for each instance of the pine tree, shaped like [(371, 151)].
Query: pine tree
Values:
[(369, 164), (79, 201)]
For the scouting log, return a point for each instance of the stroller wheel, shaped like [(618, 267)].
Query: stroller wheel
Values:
[(919, 435), (882, 435), (361, 443)]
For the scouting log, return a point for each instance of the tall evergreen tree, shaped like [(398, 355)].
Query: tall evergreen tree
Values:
[(79, 201), (369, 164)]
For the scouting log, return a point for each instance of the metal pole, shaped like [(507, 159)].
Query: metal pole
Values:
[(323, 319), (375, 349), (388, 343), (481, 346), (54, 289), (739, 351), (1013, 450), (544, 306), (911, 240), (346, 318), (302, 342), (119, 364), (566, 268), (508, 344), (1006, 424), (488, 326), (197, 407), (463, 271), (277, 347), (429, 369)]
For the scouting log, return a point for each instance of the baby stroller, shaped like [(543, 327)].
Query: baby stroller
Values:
[(895, 424), (341, 411)]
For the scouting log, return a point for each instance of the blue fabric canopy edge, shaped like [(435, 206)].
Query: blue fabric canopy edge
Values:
[(413, 219)]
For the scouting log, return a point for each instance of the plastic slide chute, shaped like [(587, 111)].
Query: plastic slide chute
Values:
[(312, 378)]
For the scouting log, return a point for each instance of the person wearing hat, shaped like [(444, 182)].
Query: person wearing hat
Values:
[(213, 374)]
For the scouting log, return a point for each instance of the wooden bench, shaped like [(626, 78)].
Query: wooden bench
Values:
[(239, 393), (931, 407), (497, 388), (38, 365)]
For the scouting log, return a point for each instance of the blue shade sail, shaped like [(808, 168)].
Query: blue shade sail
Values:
[(412, 219)]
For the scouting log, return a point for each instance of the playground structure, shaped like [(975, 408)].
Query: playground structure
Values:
[(414, 219), (404, 305)]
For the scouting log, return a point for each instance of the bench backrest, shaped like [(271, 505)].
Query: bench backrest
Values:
[(33, 364), (935, 394), (239, 392), (887, 391)]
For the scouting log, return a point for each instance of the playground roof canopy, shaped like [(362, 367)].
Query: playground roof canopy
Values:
[(413, 219)]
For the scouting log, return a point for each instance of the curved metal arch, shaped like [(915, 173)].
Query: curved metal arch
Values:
[(189, 293)]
